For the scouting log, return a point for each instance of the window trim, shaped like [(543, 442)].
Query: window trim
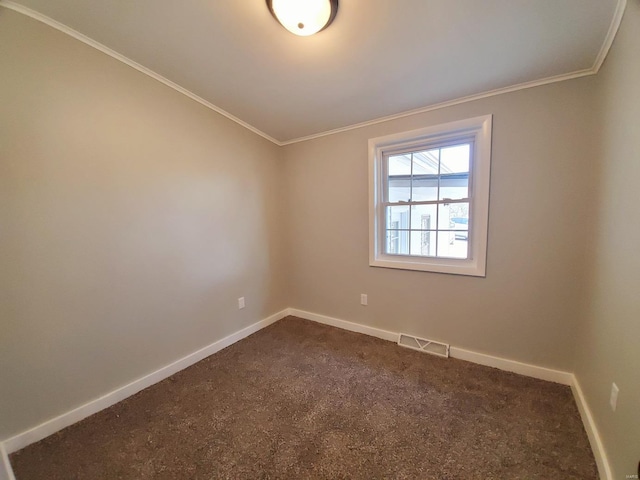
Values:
[(479, 130)]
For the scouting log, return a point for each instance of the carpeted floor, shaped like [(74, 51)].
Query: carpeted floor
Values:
[(303, 400)]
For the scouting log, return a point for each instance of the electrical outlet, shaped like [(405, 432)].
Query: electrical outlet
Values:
[(363, 299), (240, 303), (613, 400)]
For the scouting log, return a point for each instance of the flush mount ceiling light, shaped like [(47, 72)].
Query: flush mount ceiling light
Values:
[(304, 17)]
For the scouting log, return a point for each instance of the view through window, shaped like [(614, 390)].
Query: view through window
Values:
[(427, 212), (429, 198)]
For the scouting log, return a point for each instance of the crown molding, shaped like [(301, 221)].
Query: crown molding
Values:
[(611, 35), (126, 60), (600, 58), (597, 64), (449, 103)]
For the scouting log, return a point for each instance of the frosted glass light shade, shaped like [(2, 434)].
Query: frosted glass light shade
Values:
[(304, 17)]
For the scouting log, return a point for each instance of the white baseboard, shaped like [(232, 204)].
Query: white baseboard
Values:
[(526, 369), (58, 423), (49, 427), (343, 324), (6, 472), (597, 446), (542, 373)]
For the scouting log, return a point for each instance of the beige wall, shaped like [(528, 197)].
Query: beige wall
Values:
[(525, 308), (131, 219), (609, 344)]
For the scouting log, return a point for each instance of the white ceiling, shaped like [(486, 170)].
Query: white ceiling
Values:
[(379, 57)]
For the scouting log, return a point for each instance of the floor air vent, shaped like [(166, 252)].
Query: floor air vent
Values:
[(423, 345)]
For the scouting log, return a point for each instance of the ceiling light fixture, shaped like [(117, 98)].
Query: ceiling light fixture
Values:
[(304, 17)]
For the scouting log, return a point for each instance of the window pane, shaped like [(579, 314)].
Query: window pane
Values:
[(397, 242), (399, 180), (425, 187), (426, 162), (450, 244), (398, 217), (454, 186), (462, 235), (455, 159), (454, 172), (453, 216), (425, 175), (423, 243), (400, 165), (423, 217), (399, 190)]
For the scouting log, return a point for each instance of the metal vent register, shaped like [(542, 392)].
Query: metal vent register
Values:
[(424, 345)]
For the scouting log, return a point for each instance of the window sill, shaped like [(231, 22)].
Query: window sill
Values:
[(435, 265)]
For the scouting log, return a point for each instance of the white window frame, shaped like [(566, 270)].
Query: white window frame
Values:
[(479, 130)]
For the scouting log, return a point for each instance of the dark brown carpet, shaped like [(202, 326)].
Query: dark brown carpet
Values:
[(303, 400)]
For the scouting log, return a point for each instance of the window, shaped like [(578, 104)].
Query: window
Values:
[(429, 198)]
